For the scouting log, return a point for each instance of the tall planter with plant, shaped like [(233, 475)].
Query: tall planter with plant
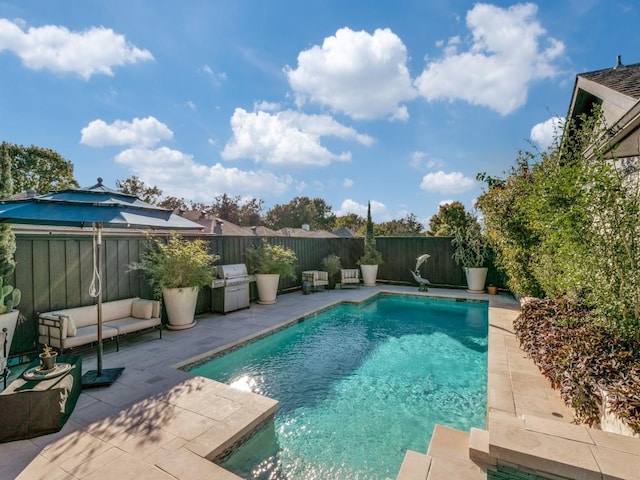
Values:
[(472, 251), (268, 263), (176, 270), (372, 257), (332, 265)]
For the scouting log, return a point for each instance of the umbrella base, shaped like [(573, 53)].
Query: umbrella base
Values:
[(91, 379)]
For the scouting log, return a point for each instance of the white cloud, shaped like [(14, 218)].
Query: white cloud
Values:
[(93, 51), (348, 183), (378, 209), (505, 57), (442, 203), (191, 105), (545, 133), (145, 132), (266, 106), (362, 75), (422, 160), (177, 174), (454, 182), (287, 138)]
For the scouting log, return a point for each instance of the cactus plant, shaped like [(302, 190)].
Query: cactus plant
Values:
[(9, 296)]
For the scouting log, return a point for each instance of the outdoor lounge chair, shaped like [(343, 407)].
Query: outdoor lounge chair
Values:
[(317, 278), (349, 277)]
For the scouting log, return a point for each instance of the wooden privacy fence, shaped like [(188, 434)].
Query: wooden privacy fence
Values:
[(54, 271)]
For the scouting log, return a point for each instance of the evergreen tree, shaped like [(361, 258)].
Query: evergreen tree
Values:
[(7, 237)]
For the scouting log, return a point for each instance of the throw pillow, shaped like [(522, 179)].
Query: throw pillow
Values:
[(142, 309), (71, 329)]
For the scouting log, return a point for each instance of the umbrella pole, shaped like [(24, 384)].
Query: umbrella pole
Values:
[(100, 377), (99, 261)]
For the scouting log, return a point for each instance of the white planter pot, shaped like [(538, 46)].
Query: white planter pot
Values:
[(369, 274), (267, 284), (181, 307), (476, 278), (9, 321)]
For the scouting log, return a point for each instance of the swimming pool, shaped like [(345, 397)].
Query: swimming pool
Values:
[(358, 385)]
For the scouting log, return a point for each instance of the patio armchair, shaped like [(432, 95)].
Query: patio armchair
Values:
[(317, 278), (349, 277)]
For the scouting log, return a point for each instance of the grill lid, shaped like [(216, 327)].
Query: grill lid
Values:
[(232, 271)]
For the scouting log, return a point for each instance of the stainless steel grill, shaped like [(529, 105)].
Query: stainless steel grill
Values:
[(231, 292)]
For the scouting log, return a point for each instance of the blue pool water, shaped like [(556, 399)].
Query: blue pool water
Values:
[(359, 385)]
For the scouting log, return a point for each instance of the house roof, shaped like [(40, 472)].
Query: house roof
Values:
[(624, 79)]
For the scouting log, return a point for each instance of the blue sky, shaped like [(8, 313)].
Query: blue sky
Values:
[(398, 103)]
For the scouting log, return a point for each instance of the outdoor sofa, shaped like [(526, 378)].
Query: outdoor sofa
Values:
[(73, 327)]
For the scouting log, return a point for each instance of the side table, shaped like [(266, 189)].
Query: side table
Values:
[(30, 408)]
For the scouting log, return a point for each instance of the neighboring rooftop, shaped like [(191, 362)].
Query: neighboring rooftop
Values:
[(624, 79)]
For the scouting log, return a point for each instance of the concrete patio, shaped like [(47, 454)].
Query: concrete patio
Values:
[(159, 422)]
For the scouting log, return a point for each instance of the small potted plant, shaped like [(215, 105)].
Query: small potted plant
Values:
[(332, 265), (48, 358), (176, 270), (472, 251), (268, 263), (372, 257)]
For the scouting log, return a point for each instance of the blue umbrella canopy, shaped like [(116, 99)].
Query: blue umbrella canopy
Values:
[(97, 207)]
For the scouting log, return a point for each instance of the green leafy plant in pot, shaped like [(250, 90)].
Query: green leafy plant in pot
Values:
[(268, 263), (176, 270), (332, 265), (471, 251)]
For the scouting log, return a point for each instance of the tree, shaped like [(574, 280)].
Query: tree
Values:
[(7, 237), (173, 203), (409, 226), (136, 187), (450, 217), (227, 208), (251, 212), (40, 169), (301, 210), (354, 222)]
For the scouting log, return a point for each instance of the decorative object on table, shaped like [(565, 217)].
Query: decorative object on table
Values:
[(268, 263), (98, 207), (471, 250), (176, 270), (422, 282), (37, 373), (332, 265), (372, 257), (47, 358)]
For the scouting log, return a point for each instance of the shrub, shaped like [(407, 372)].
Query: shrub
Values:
[(270, 259), (577, 355)]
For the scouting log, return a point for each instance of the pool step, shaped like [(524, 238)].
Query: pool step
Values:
[(448, 457), (415, 466)]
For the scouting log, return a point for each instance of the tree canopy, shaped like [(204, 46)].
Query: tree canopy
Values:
[(37, 168), (134, 186), (450, 217), (315, 212)]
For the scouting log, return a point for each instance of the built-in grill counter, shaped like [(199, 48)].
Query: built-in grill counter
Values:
[(230, 291)]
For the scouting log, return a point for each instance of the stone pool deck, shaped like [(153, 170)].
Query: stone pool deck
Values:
[(159, 422)]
